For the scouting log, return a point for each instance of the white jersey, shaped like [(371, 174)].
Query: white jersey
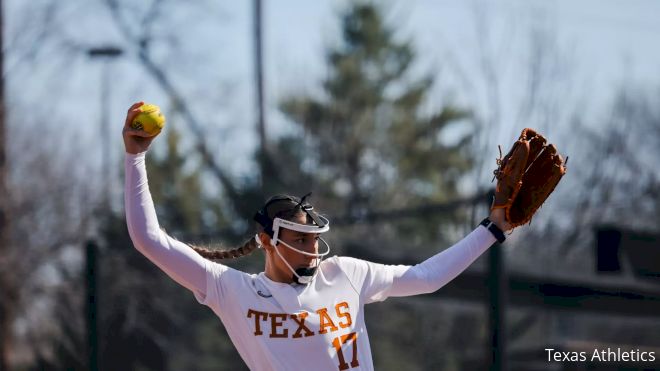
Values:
[(320, 326), (280, 326)]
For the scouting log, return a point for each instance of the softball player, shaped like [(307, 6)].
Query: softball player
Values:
[(303, 312)]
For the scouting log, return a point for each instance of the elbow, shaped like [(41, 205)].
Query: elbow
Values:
[(433, 280), (144, 239), (429, 287), (425, 282)]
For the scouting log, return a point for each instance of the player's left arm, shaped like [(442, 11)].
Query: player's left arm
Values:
[(440, 269)]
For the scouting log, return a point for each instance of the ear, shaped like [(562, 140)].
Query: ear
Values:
[(265, 241)]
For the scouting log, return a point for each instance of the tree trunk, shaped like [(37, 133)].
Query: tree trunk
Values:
[(6, 290)]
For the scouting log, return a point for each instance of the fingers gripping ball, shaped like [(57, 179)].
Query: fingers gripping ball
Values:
[(150, 119)]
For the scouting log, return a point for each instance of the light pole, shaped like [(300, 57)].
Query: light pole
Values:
[(105, 54), (259, 82)]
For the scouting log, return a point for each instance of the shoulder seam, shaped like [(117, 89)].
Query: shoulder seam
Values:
[(337, 258)]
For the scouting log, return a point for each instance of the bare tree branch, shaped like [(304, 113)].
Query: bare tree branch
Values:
[(141, 42)]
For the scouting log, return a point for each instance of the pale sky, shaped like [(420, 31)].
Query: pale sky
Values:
[(598, 44), (603, 42), (593, 46)]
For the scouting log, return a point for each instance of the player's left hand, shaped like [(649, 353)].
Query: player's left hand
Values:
[(498, 218)]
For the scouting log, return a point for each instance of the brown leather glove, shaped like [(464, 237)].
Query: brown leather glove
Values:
[(526, 176)]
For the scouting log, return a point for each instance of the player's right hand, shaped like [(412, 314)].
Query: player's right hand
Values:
[(135, 140)]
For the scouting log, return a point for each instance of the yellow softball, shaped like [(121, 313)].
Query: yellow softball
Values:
[(150, 119)]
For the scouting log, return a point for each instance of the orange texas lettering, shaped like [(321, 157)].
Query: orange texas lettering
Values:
[(345, 315), (299, 319), (281, 323), (274, 324), (325, 322)]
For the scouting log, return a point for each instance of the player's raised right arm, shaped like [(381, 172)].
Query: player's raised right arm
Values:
[(175, 258)]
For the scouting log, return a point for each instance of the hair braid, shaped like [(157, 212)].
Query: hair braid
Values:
[(212, 254), (290, 213)]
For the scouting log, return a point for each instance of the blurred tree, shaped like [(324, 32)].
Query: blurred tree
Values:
[(51, 220), (143, 39), (367, 142), (178, 194), (50, 199), (6, 287), (133, 336), (143, 314)]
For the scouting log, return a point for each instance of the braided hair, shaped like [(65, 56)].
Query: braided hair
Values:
[(279, 206), (214, 254)]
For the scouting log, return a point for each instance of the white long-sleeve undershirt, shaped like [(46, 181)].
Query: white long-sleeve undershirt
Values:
[(440, 269), (188, 268), (175, 258)]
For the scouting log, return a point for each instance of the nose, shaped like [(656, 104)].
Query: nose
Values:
[(311, 247)]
